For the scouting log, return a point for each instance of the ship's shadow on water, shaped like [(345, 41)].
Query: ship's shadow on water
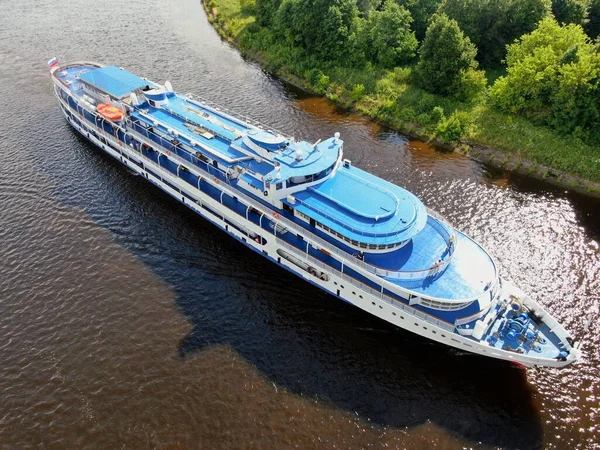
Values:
[(319, 347), (306, 341)]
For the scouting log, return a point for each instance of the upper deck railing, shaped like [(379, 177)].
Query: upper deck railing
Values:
[(230, 114), (392, 301), (316, 241), (312, 239)]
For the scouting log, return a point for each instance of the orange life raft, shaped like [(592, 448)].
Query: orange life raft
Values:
[(109, 111)]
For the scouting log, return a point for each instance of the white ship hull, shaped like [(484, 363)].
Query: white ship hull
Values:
[(336, 283)]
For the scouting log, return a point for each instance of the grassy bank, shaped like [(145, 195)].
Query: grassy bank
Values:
[(389, 97)]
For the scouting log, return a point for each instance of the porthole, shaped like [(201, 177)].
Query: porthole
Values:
[(416, 324), (372, 303), (335, 282), (424, 328), (443, 335), (360, 296), (353, 293), (380, 307), (434, 332), (402, 317), (342, 287)]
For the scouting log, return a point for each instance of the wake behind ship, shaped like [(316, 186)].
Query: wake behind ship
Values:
[(309, 210)]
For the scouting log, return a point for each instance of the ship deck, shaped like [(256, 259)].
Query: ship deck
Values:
[(353, 203), (68, 74), (363, 207), (180, 114), (468, 274)]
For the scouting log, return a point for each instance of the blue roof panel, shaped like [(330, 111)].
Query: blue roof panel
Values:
[(363, 207), (113, 80)]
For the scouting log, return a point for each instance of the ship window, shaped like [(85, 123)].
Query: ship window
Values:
[(279, 186)]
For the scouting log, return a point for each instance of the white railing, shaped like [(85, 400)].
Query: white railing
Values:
[(313, 240), (234, 116), (390, 300)]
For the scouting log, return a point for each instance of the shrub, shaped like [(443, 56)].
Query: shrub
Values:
[(454, 127), (358, 91), (553, 77), (247, 6), (437, 114), (472, 84)]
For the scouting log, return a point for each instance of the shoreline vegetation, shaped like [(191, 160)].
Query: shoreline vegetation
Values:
[(471, 124)]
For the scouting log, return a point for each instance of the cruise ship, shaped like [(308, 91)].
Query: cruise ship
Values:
[(308, 209)]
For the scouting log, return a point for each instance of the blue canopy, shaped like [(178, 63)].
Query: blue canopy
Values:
[(113, 80)]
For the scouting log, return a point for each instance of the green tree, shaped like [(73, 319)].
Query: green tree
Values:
[(389, 38), (446, 57), (325, 28), (492, 24), (554, 78), (366, 6), (570, 11), (421, 11), (593, 26), (265, 11)]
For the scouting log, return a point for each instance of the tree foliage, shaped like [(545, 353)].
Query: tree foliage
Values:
[(570, 11), (265, 11), (326, 28), (492, 24), (593, 25), (446, 57), (388, 37), (421, 11), (553, 77)]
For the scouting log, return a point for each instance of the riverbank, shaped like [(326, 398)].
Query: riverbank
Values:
[(475, 129)]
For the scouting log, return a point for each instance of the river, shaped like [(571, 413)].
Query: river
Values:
[(128, 322)]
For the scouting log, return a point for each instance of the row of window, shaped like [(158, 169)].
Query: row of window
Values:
[(442, 305), (350, 241), (354, 242)]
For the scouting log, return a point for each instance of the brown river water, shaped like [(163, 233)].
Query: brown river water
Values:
[(128, 322)]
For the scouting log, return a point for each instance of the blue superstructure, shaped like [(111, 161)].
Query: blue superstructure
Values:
[(306, 208)]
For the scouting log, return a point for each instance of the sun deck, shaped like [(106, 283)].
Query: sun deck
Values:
[(363, 207), (68, 75), (469, 273)]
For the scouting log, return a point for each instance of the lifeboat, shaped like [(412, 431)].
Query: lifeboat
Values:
[(110, 112)]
